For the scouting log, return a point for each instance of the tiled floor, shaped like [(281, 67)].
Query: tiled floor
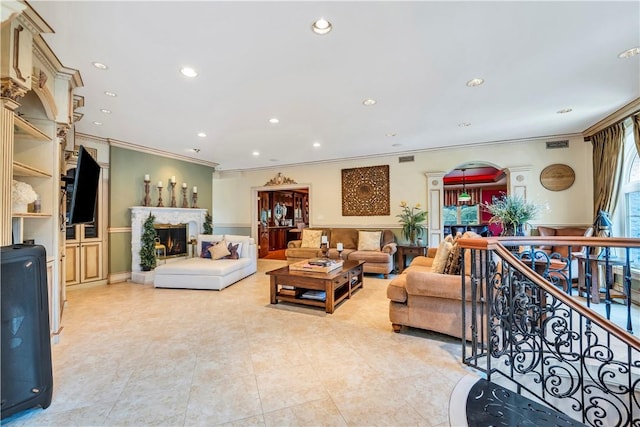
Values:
[(134, 355)]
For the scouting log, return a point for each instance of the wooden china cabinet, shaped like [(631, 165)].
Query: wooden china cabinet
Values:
[(279, 213)]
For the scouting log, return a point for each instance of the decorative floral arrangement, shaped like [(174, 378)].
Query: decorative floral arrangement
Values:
[(22, 193), (512, 212), (412, 220)]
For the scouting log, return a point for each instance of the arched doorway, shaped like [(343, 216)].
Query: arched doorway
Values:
[(483, 180), (466, 189)]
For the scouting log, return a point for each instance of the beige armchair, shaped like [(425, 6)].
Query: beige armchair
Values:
[(422, 298)]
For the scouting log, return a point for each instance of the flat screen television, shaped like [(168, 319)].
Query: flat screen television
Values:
[(83, 189)]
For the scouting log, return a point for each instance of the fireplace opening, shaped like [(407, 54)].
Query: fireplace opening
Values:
[(174, 238)]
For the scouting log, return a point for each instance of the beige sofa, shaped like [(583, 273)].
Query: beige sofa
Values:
[(422, 298), (378, 260)]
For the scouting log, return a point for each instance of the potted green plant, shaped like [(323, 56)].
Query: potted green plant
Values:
[(512, 212), (208, 224), (412, 220), (148, 244)]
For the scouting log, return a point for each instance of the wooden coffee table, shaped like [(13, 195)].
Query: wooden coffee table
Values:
[(303, 287)]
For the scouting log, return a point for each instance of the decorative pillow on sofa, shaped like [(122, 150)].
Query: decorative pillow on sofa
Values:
[(311, 238), (245, 242), (347, 236), (204, 249), (207, 240), (369, 240), (235, 249), (219, 250), (453, 263), (442, 254)]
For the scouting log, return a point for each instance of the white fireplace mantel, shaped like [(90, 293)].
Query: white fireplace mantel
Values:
[(194, 218)]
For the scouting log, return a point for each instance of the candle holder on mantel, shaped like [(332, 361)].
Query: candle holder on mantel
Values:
[(147, 198), (160, 204), (195, 201), (185, 202), (173, 194)]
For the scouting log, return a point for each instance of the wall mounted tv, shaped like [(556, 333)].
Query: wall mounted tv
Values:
[(83, 189)]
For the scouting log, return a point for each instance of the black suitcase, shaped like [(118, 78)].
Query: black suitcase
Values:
[(27, 378)]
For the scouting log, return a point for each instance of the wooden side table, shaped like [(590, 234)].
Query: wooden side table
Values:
[(404, 250)]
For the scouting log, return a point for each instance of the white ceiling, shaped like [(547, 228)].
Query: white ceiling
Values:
[(258, 60)]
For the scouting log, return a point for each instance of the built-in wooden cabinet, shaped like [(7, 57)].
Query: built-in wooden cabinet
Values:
[(83, 255), (86, 244), (83, 261), (36, 161), (35, 117)]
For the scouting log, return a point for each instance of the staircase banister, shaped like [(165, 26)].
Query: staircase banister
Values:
[(577, 241), (496, 244)]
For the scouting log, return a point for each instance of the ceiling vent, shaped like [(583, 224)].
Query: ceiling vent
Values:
[(405, 159), (558, 144)]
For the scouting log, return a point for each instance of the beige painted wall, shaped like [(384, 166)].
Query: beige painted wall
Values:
[(232, 190)]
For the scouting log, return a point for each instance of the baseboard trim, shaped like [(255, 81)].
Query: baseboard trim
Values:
[(119, 277)]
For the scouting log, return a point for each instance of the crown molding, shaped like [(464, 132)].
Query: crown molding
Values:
[(140, 148), (617, 116), (404, 153)]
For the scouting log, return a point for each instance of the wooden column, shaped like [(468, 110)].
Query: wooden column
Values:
[(6, 170)]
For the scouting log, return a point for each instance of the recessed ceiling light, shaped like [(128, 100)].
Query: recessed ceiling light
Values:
[(369, 102), (564, 111), (195, 150), (202, 134), (321, 26), (111, 94), (274, 120), (475, 82), (188, 72), (100, 65), (391, 134), (255, 153), (104, 110), (97, 123), (629, 53), (396, 145), (316, 144), (464, 124)]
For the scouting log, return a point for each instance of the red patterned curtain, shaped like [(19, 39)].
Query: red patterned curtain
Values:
[(451, 197)]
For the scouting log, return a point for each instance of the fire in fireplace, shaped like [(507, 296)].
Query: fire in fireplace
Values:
[(173, 237)]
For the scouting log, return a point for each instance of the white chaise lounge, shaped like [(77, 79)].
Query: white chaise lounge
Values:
[(205, 273)]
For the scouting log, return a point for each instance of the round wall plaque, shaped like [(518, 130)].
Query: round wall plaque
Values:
[(557, 177)]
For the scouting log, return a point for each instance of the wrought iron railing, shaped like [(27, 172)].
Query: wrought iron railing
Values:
[(534, 336)]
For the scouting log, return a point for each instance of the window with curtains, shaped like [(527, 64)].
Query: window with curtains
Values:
[(632, 206), (461, 215), (629, 202)]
